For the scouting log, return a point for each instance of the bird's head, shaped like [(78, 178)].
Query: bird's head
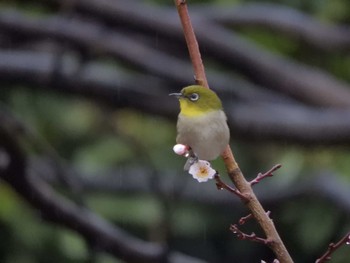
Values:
[(196, 100)]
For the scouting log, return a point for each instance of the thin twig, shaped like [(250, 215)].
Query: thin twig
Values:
[(222, 185), (244, 219), (333, 247), (261, 176), (252, 237)]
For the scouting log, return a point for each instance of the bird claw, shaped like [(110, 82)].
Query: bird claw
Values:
[(191, 159)]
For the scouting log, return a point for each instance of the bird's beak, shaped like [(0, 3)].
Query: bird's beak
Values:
[(177, 95)]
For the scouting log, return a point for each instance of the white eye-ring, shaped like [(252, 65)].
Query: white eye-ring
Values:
[(194, 97)]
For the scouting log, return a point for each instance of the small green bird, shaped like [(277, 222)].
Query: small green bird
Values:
[(202, 123)]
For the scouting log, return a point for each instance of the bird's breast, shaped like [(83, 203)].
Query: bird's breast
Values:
[(207, 135)]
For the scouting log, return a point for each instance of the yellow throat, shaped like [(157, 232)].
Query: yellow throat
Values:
[(190, 109)]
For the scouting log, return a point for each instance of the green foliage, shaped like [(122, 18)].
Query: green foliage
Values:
[(138, 211), (335, 11), (271, 41)]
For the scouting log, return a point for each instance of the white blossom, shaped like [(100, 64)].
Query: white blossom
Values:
[(202, 171)]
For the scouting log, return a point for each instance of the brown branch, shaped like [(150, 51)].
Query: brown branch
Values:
[(192, 43), (234, 172), (333, 247), (256, 208)]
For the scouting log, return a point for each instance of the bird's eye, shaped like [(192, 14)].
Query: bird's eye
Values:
[(194, 97)]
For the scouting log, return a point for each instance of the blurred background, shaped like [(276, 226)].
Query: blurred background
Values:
[(87, 129)]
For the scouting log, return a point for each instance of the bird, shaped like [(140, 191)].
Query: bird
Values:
[(201, 124)]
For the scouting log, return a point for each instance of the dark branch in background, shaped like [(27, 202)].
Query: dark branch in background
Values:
[(282, 123), (38, 68), (135, 180), (95, 80), (300, 81), (63, 212), (265, 120), (283, 20), (297, 80), (97, 39)]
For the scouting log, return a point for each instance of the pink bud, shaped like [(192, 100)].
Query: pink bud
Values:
[(180, 149)]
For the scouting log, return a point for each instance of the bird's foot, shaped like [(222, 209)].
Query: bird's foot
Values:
[(191, 159)]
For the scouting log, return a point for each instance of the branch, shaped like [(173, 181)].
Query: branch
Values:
[(275, 242), (192, 43), (235, 174), (333, 247)]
